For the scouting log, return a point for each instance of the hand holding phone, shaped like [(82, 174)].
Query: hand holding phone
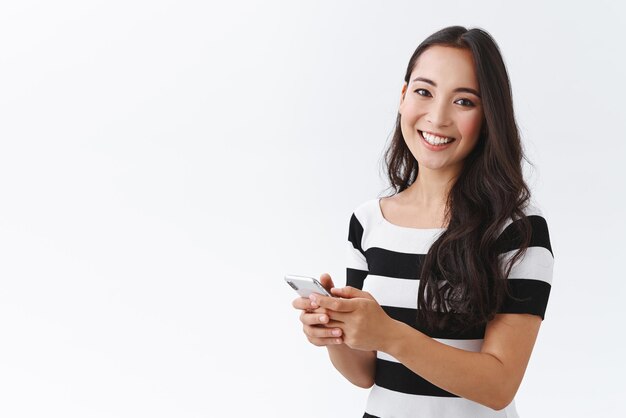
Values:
[(319, 329)]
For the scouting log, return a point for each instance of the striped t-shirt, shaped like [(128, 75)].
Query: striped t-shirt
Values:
[(384, 259)]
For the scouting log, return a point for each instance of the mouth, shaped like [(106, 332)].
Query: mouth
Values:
[(436, 140)]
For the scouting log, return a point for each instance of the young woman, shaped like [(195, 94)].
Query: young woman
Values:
[(448, 278)]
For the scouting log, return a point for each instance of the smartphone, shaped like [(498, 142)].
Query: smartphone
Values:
[(306, 285)]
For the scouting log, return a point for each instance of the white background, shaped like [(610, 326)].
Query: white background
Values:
[(164, 163)]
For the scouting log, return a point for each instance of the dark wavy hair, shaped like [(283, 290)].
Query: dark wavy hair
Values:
[(462, 282)]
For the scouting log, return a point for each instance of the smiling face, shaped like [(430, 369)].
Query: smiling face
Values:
[(441, 111)]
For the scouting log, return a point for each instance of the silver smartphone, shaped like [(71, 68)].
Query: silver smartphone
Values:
[(306, 285)]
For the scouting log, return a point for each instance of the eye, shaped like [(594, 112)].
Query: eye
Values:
[(465, 102), (423, 92)]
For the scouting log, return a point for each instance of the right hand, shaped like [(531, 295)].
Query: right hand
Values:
[(316, 325)]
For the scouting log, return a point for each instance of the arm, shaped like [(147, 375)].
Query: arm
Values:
[(490, 377), (355, 365)]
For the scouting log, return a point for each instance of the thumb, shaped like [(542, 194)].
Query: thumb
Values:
[(326, 281)]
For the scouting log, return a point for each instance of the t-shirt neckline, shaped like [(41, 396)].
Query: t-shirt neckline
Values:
[(409, 228)]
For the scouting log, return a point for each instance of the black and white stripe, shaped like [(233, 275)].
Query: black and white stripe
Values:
[(385, 260)]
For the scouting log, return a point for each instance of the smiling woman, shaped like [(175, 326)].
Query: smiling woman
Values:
[(449, 277)]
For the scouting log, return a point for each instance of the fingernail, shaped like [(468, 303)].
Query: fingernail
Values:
[(322, 318), (337, 332)]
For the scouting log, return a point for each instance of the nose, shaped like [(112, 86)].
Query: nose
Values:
[(439, 114)]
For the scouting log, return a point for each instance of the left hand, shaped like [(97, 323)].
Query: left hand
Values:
[(364, 323)]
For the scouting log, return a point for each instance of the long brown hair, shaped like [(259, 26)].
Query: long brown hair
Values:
[(462, 279)]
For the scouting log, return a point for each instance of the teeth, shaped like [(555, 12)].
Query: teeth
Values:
[(435, 140)]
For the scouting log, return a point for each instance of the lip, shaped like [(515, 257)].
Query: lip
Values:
[(435, 147)]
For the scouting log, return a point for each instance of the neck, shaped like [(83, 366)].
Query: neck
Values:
[(431, 187)]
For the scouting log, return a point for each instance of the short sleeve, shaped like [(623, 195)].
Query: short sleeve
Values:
[(530, 279), (356, 262)]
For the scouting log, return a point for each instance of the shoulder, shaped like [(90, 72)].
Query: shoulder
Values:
[(532, 209), (367, 213), (363, 217), (510, 238)]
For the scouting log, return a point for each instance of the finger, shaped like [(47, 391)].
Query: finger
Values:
[(327, 282), (329, 302), (350, 292), (339, 317), (313, 299), (304, 304), (316, 319), (322, 342), (313, 331)]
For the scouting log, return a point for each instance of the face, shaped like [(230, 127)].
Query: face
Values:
[(441, 111)]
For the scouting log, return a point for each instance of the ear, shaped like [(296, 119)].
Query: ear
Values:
[(402, 95)]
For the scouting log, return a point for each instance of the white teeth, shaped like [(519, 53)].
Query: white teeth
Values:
[(435, 140)]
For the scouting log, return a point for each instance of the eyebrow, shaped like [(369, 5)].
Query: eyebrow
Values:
[(457, 90)]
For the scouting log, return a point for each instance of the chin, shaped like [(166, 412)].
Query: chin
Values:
[(435, 165)]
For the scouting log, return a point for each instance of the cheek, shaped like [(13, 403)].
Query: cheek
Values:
[(412, 109), (470, 125), (410, 114)]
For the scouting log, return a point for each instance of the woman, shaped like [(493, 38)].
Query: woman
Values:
[(448, 278)]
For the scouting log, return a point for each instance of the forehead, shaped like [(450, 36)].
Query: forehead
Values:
[(447, 67)]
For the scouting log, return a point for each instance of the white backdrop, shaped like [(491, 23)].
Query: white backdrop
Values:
[(164, 163)]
